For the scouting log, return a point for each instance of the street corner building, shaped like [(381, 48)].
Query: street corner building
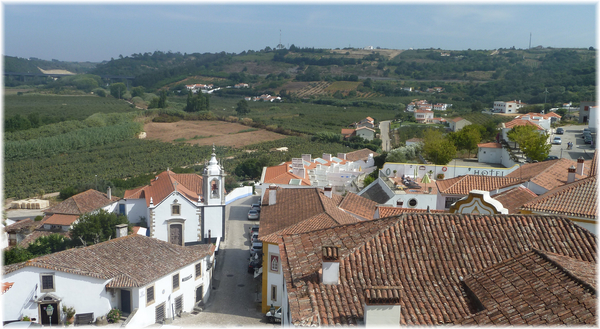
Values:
[(147, 279), (441, 269)]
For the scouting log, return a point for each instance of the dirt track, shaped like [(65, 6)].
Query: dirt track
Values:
[(209, 132)]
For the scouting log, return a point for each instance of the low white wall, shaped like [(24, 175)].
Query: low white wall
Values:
[(238, 193), (448, 171)]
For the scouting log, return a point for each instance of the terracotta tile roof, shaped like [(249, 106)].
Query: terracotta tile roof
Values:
[(125, 260), (545, 115), (532, 289), (361, 128), (462, 185), (375, 193), (424, 254), (24, 224), (594, 165), (548, 174), (347, 131), (389, 211), (514, 198), (490, 145), (519, 122), (579, 199), (6, 286), (281, 175), (360, 155), (457, 119), (82, 203), (60, 219), (30, 238), (189, 185), (300, 210), (358, 205)]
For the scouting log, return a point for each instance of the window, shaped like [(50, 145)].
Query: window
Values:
[(198, 270), (273, 292), (176, 282), (178, 304), (412, 202), (47, 282), (450, 201), (160, 313), (149, 295), (122, 209), (175, 209)]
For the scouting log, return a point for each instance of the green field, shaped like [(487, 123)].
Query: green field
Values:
[(67, 107)]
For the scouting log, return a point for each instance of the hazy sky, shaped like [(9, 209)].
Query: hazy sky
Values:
[(97, 32)]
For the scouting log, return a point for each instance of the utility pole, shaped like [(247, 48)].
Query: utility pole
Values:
[(545, 95), (529, 40)]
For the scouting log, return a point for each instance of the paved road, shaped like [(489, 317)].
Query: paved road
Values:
[(384, 128), (233, 299), (580, 149)]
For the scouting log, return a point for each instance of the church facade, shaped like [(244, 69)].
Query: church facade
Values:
[(182, 209)]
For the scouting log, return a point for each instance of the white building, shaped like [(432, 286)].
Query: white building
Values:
[(508, 107), (183, 209), (148, 279)]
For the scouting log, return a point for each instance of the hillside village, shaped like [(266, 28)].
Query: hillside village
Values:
[(338, 209)]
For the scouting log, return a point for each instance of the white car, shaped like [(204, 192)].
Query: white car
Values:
[(557, 140)]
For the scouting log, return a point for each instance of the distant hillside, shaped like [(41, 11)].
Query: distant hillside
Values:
[(32, 65)]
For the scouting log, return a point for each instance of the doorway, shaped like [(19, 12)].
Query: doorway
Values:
[(46, 320), (125, 301), (175, 234), (199, 293)]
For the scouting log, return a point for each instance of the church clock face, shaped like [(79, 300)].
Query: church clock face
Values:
[(214, 189)]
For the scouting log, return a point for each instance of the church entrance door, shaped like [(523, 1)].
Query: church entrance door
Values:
[(176, 234)]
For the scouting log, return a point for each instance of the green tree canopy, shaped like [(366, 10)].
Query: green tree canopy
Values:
[(467, 138), (196, 103), (49, 244), (438, 149), (96, 227), (117, 90), (242, 107), (533, 143), (137, 91)]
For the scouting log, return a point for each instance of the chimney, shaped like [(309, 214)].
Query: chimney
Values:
[(328, 191), (399, 203), (571, 176), (580, 166), (307, 157), (272, 194), (109, 194), (121, 230), (342, 156), (331, 264), (327, 156), (382, 306)]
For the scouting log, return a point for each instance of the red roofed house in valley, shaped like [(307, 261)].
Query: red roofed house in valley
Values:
[(457, 124), (436, 268), (295, 210), (147, 279), (183, 209)]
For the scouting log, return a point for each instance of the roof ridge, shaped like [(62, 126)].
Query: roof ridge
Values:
[(565, 270)]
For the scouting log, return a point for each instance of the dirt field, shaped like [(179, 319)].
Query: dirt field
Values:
[(360, 53), (209, 132)]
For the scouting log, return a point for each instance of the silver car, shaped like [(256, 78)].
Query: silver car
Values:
[(253, 214), (557, 140)]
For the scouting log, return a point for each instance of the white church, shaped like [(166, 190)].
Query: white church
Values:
[(184, 209)]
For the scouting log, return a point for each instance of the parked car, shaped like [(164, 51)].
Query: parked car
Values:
[(254, 237), (256, 207), (253, 214), (557, 140), (586, 133), (254, 228), (274, 316), (560, 131), (256, 248), (588, 139), (586, 130), (551, 157), (254, 264)]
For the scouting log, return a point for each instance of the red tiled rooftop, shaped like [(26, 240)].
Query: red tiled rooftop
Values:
[(490, 145), (462, 185), (60, 219), (189, 185), (359, 205), (388, 211), (360, 155), (519, 122), (548, 174), (82, 203), (514, 198)]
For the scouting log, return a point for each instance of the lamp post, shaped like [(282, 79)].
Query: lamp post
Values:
[(50, 311)]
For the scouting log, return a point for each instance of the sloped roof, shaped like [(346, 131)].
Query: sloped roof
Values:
[(300, 210), (82, 203), (490, 145), (26, 223), (189, 185), (6, 286), (464, 184), (281, 175), (388, 211), (347, 131), (360, 155), (594, 165), (520, 122), (424, 254), (533, 289), (125, 260), (30, 238), (359, 205), (514, 198), (547, 174), (60, 219), (457, 119), (579, 198), (375, 192)]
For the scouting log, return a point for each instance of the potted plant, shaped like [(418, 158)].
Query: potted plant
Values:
[(440, 176), (25, 318), (69, 313), (395, 171), (114, 315)]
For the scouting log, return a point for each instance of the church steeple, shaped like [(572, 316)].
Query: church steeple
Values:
[(214, 182)]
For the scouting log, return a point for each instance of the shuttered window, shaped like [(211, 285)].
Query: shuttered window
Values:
[(150, 295), (47, 282), (178, 304), (160, 313), (176, 282), (199, 270)]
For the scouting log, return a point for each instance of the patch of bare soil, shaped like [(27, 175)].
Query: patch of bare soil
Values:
[(360, 53), (208, 133)]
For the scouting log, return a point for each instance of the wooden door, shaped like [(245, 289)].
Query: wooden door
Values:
[(176, 236)]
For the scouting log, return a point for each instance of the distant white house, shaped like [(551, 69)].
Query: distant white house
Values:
[(508, 107), (457, 124), (366, 133)]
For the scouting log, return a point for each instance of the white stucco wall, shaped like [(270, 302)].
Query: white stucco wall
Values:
[(489, 155), (423, 200), (163, 218), (450, 171), (382, 315), (134, 209), (86, 294), (274, 278), (213, 221)]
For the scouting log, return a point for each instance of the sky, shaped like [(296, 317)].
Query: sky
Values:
[(96, 32)]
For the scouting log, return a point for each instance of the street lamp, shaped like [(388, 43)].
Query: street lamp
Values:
[(50, 311)]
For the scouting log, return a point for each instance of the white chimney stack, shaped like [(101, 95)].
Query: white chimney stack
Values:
[(580, 166), (327, 156), (331, 264), (571, 175), (109, 194), (121, 230), (342, 156), (382, 306), (328, 191), (307, 157), (272, 194)]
